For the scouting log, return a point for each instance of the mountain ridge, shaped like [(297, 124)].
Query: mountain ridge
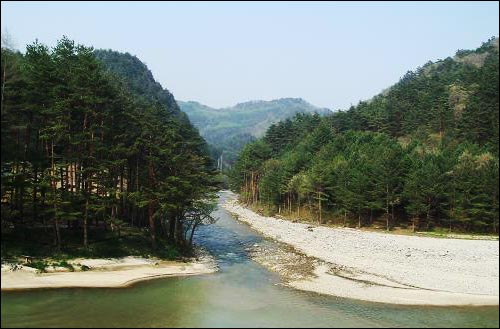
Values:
[(228, 129), (238, 106)]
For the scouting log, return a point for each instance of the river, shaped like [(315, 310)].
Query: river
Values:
[(241, 294)]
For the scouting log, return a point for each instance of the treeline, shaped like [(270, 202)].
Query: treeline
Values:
[(423, 154), (80, 147)]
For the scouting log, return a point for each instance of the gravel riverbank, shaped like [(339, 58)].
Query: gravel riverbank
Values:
[(379, 267)]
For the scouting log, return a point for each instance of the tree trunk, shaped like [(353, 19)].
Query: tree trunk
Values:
[(103, 220), (251, 187), (387, 206), (56, 223), (42, 204), (61, 174), (85, 223), (298, 205), (54, 199), (192, 233), (71, 177), (392, 214), (494, 219), (137, 174), (152, 225), (254, 194), (35, 182), (66, 178), (171, 229), (178, 231), (21, 193), (319, 207), (77, 177), (288, 201), (122, 191), (151, 203), (112, 221)]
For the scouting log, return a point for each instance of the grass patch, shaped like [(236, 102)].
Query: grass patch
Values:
[(40, 265), (65, 264)]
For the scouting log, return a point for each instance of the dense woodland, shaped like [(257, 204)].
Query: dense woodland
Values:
[(93, 148), (88, 148), (423, 154)]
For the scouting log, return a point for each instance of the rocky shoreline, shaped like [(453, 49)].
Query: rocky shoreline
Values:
[(376, 267)]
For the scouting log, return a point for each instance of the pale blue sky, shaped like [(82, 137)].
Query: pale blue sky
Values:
[(331, 54)]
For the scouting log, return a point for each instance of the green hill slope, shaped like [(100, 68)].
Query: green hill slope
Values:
[(423, 154), (229, 129)]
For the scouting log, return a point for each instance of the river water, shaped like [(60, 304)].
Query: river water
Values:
[(241, 294)]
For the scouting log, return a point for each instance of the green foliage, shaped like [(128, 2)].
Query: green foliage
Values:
[(41, 266), (64, 263), (422, 153), (90, 137)]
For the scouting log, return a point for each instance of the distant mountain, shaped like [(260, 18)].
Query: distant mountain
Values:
[(229, 129)]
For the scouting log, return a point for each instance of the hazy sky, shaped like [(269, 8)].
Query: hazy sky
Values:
[(331, 54)]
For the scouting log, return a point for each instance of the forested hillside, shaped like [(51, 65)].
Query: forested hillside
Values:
[(90, 152), (423, 154), (227, 130), (139, 80)]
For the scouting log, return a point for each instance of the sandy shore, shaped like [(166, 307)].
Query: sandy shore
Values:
[(103, 273), (381, 267)]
